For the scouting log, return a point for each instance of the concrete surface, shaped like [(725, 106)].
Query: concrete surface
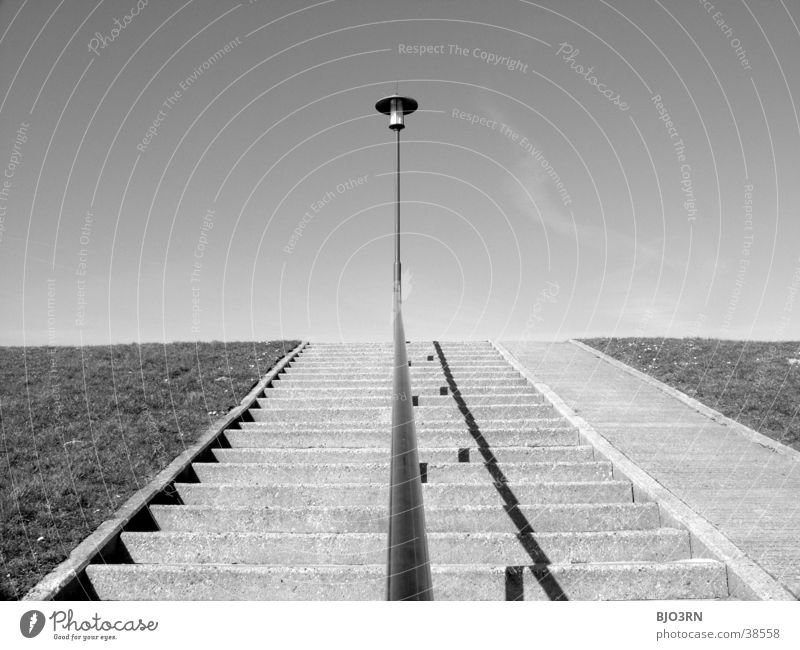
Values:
[(745, 488)]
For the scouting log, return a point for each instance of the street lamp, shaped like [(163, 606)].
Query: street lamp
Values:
[(396, 107)]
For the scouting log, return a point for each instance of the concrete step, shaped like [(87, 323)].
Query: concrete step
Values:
[(466, 367), (702, 579), (427, 356), (492, 426), (420, 351), (477, 357), (287, 390), (411, 346), (661, 545), (466, 454), (253, 434), (354, 400), (377, 494), (492, 411), (448, 411), (348, 361), (388, 345), (508, 397), (465, 386), (323, 416), (374, 519), (268, 473), (314, 401), (415, 371)]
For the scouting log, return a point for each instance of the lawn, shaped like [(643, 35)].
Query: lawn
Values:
[(753, 382), (84, 428)]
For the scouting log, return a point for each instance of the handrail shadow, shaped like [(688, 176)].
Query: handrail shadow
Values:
[(540, 562)]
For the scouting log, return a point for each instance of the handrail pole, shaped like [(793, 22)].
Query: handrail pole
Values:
[(408, 566), (409, 571)]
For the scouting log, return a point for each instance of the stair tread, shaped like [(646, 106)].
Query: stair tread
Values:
[(693, 578)]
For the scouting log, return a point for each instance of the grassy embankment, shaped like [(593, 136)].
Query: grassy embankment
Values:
[(753, 382), (83, 429)]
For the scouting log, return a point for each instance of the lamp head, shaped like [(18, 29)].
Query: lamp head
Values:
[(396, 107)]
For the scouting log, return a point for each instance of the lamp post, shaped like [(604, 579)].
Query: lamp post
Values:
[(408, 567), (397, 107)]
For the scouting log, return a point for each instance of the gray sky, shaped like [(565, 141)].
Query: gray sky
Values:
[(216, 170)]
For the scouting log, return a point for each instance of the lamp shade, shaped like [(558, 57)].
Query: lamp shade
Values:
[(396, 107)]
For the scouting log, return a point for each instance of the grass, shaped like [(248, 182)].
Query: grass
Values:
[(753, 382), (83, 429)]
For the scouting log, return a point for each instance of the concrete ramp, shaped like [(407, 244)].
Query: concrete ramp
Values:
[(739, 484)]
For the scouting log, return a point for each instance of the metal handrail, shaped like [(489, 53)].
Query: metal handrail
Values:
[(409, 569)]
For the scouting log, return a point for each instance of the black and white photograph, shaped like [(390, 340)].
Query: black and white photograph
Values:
[(310, 305)]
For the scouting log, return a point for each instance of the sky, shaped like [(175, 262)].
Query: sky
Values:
[(195, 170)]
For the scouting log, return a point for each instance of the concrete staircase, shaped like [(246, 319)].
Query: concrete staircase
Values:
[(294, 503)]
